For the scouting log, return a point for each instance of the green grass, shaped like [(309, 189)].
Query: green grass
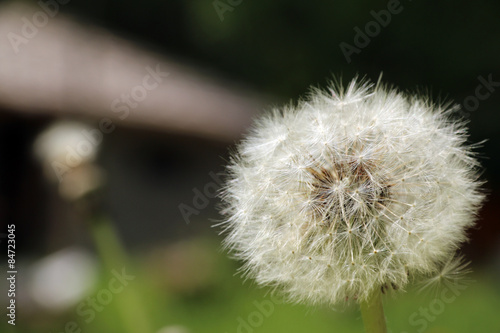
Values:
[(223, 303)]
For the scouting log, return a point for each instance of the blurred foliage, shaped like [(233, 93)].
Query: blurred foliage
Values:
[(216, 304)]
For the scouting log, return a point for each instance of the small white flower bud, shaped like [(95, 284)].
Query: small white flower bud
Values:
[(350, 191)]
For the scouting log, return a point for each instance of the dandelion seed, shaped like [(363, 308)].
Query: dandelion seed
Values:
[(450, 273)]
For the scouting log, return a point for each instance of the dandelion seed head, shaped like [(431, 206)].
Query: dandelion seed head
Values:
[(348, 191)]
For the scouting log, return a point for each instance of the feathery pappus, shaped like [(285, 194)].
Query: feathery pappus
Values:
[(352, 189)]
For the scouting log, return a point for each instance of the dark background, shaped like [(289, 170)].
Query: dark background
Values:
[(281, 48)]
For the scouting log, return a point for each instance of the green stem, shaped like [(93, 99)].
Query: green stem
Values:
[(372, 312), (130, 306)]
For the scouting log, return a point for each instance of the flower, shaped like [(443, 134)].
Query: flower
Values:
[(348, 191), (67, 151)]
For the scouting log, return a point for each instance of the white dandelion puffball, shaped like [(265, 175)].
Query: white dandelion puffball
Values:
[(348, 191)]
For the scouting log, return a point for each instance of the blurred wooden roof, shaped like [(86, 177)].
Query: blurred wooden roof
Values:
[(69, 69)]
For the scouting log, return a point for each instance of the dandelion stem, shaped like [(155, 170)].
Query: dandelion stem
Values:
[(372, 312)]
